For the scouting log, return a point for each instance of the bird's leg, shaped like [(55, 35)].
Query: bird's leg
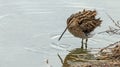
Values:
[(86, 43), (82, 44)]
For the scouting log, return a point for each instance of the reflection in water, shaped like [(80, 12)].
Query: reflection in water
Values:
[(106, 57), (77, 55)]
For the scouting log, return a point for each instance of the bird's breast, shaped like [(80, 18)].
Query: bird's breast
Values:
[(77, 32)]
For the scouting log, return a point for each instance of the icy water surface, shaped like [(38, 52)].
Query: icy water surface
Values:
[(29, 30)]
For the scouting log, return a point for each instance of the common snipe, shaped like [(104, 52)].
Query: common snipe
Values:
[(81, 24)]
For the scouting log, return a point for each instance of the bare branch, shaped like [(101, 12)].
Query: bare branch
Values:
[(112, 30), (116, 24)]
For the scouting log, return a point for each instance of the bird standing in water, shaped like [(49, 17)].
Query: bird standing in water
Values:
[(81, 24)]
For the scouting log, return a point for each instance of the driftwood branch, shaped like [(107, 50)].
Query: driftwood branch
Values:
[(116, 43)]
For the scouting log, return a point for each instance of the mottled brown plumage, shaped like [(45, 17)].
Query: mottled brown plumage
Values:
[(82, 23)]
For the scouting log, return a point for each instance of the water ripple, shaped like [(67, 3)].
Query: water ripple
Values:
[(60, 46)]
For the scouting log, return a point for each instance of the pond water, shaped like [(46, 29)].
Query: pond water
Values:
[(29, 30)]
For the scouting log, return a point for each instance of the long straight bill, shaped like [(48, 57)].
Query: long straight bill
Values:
[(64, 31)]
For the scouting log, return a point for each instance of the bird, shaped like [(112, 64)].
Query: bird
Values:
[(81, 24)]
